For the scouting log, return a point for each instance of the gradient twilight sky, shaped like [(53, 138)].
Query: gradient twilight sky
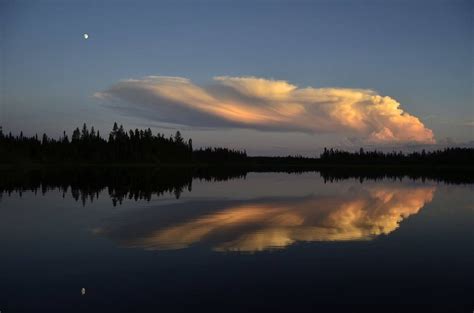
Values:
[(236, 73)]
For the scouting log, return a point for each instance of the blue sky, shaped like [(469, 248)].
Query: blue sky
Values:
[(416, 52)]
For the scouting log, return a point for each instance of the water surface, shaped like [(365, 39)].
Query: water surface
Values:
[(259, 242)]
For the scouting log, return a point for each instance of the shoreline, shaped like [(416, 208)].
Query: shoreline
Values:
[(258, 166)]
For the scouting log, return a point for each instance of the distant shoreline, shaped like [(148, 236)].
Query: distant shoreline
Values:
[(142, 148), (251, 166), (453, 173)]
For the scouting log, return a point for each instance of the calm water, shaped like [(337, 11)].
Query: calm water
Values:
[(267, 242)]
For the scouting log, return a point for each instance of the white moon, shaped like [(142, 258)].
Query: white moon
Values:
[(86, 36)]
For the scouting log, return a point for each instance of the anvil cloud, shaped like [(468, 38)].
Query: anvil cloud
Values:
[(264, 104)]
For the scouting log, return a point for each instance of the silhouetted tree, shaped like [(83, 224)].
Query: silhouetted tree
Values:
[(76, 135)]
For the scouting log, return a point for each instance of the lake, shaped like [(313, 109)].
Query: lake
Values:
[(273, 242)]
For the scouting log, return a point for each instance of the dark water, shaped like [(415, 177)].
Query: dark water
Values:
[(270, 242)]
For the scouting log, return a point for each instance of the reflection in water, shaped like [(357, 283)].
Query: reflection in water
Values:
[(360, 214), (85, 184)]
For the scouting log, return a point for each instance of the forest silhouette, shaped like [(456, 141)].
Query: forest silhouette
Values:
[(87, 146)]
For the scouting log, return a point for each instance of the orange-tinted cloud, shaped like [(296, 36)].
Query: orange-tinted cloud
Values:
[(258, 103), (255, 226)]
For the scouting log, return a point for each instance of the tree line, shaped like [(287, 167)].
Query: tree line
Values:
[(447, 156), (142, 146), (121, 146)]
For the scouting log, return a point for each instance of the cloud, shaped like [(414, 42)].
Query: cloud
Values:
[(264, 104), (363, 214)]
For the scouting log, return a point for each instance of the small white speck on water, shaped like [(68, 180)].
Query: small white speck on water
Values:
[(83, 291), (86, 36)]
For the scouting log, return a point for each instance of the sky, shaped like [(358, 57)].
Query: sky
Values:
[(272, 77)]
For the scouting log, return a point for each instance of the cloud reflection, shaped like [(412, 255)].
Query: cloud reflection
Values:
[(362, 214)]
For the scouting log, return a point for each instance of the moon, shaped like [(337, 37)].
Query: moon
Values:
[(86, 36)]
